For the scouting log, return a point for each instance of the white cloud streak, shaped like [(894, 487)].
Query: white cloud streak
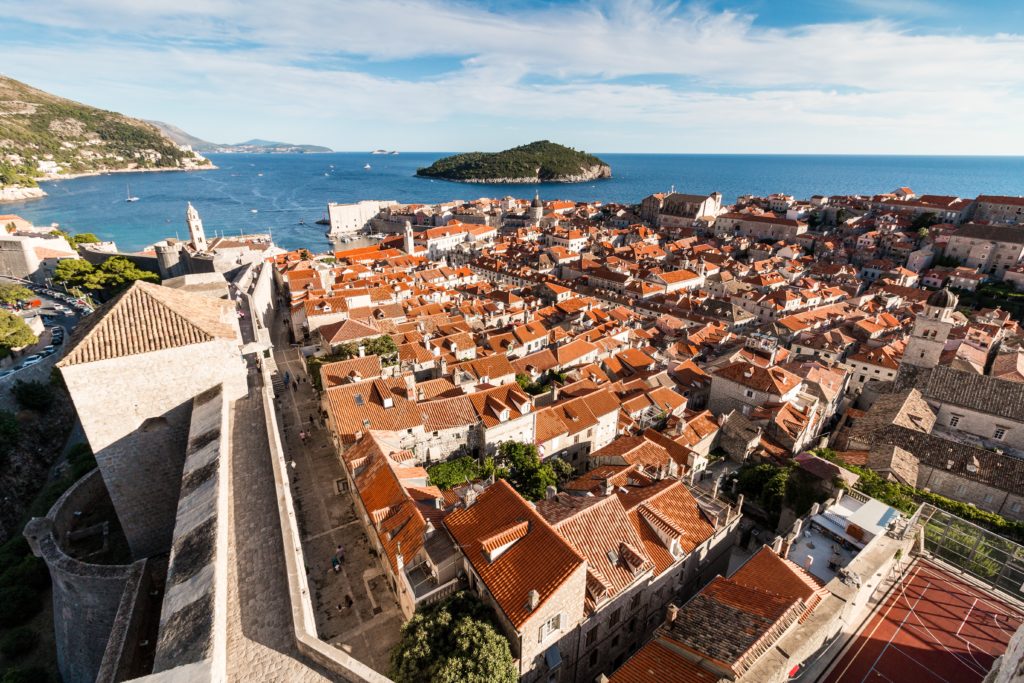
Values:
[(659, 77)]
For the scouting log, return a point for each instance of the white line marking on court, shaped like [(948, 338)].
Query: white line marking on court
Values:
[(966, 617), (881, 621), (896, 632), (897, 649)]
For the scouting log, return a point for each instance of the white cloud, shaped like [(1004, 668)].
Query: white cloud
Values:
[(865, 86)]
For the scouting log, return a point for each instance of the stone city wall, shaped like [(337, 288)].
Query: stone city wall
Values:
[(193, 619)]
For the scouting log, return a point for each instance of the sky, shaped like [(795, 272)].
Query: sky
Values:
[(755, 76)]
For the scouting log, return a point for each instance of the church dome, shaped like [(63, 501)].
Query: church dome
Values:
[(536, 202), (943, 298)]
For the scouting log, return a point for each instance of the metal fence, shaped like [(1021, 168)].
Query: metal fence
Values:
[(990, 558)]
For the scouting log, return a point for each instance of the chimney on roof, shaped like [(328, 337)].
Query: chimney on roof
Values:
[(399, 560), (362, 350), (532, 600), (671, 614), (470, 496), (550, 492)]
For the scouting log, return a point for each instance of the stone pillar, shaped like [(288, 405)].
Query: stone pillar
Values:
[(815, 509), (798, 526), (777, 545)]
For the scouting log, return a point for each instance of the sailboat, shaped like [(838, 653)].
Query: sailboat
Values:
[(128, 194), (367, 167)]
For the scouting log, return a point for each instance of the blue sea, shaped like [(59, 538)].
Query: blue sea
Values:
[(274, 192)]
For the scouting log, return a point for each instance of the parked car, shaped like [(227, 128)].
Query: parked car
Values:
[(31, 360), (6, 373), (48, 350)]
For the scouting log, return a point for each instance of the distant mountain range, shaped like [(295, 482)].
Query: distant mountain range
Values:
[(46, 136), (255, 145)]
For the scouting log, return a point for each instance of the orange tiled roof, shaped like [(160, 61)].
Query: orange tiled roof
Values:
[(540, 561)]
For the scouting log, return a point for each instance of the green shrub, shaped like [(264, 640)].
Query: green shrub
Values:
[(20, 603), (31, 572), (31, 674), (13, 551), (36, 396), (18, 641)]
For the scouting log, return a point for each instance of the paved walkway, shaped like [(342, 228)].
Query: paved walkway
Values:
[(260, 643), (369, 628)]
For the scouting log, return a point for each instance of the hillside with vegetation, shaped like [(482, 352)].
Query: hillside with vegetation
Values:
[(45, 136), (541, 161)]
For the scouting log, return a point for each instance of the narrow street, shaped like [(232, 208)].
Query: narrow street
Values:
[(369, 627)]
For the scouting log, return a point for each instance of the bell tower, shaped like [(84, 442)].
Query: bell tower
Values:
[(195, 228), (536, 208), (931, 330), (410, 242)]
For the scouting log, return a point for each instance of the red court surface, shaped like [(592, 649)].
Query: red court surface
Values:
[(932, 628)]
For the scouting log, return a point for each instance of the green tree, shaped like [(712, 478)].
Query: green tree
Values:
[(12, 294), (73, 272), (563, 471), (526, 473), (113, 275), (119, 272), (455, 472), (36, 396), (86, 238), (454, 641), (14, 332), (923, 221), (524, 380), (384, 347)]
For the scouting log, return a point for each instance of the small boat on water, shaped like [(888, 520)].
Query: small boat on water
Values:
[(129, 196), (324, 220), (254, 210), (302, 221), (367, 167), (393, 152)]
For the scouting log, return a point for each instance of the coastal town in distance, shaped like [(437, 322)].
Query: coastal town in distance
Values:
[(534, 341)]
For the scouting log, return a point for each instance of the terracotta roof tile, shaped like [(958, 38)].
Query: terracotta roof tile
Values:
[(541, 560)]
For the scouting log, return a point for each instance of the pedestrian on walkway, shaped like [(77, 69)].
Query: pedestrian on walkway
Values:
[(348, 600), (340, 554), (302, 437)]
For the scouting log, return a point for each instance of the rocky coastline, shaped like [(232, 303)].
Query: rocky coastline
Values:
[(592, 173), (17, 193)]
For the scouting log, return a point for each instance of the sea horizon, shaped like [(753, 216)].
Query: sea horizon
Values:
[(285, 194)]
